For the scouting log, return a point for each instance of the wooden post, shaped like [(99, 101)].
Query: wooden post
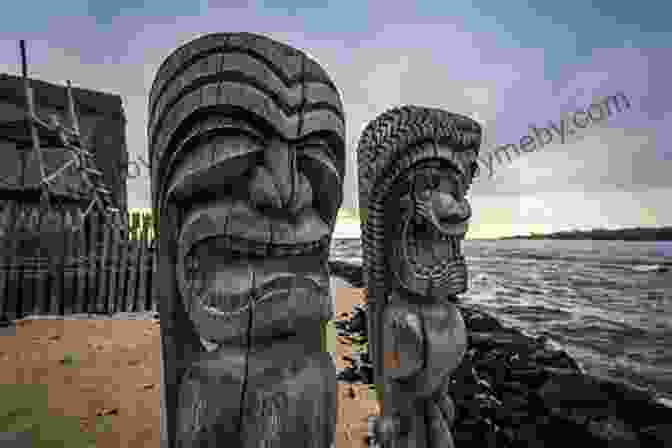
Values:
[(25, 298), (82, 251), (123, 269), (71, 110), (76, 252), (132, 287), (57, 268), (94, 253), (50, 251), (113, 268), (142, 266), (42, 274), (30, 110), (27, 265), (20, 262), (69, 273), (5, 254), (104, 261), (12, 304), (151, 261)]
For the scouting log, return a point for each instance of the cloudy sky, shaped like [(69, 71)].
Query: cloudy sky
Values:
[(510, 65)]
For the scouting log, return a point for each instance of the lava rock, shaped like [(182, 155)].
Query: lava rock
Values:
[(479, 321), (657, 435), (358, 322), (348, 375), (475, 432), (613, 431), (576, 398), (511, 391)]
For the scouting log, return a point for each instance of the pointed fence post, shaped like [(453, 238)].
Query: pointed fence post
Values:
[(82, 264), (113, 267), (94, 253), (123, 268), (66, 306), (5, 255), (132, 291), (58, 266), (142, 285), (13, 274), (103, 269)]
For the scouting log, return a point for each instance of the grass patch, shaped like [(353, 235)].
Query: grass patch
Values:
[(328, 335), (373, 393), (360, 343), (70, 360), (23, 409)]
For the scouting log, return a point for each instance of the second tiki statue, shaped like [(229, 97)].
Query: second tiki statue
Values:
[(415, 165)]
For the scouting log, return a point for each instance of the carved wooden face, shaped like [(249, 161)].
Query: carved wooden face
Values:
[(256, 233), (432, 213)]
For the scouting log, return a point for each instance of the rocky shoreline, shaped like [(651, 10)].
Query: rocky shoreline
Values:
[(512, 390)]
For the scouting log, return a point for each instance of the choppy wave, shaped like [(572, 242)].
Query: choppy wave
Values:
[(608, 303)]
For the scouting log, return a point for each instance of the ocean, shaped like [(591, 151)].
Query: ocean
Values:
[(607, 303)]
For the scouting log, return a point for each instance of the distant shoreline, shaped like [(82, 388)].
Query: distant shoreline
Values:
[(626, 234), (629, 234)]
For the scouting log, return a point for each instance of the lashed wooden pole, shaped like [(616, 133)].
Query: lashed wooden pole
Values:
[(30, 111)]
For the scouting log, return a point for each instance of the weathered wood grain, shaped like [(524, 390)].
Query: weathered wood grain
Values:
[(41, 276), (131, 292), (69, 273), (28, 268), (57, 268), (83, 251), (5, 255), (143, 265), (415, 167), (123, 270), (113, 269), (94, 253), (246, 137)]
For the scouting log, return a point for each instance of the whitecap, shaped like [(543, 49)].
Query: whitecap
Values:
[(650, 268)]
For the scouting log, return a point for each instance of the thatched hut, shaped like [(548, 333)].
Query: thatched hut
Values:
[(102, 125)]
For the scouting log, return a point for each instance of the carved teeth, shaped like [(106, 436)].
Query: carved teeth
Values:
[(243, 248)]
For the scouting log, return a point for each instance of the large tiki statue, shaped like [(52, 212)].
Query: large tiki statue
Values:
[(246, 139), (415, 167)]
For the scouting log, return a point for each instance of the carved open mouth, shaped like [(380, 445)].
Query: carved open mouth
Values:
[(227, 286), (225, 282), (429, 252), (233, 304), (242, 231), (237, 248)]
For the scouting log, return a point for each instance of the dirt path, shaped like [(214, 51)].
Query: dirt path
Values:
[(114, 374)]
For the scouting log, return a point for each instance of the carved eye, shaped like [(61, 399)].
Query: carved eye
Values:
[(475, 170), (193, 274), (192, 264), (427, 180)]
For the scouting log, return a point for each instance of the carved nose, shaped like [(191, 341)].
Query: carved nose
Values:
[(447, 209), (278, 184)]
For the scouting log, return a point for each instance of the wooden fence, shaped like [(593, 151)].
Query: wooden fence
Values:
[(47, 268)]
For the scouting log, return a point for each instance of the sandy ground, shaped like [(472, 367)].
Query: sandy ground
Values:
[(117, 374)]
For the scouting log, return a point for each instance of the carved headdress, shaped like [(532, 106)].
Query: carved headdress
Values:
[(271, 87), (390, 147)]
